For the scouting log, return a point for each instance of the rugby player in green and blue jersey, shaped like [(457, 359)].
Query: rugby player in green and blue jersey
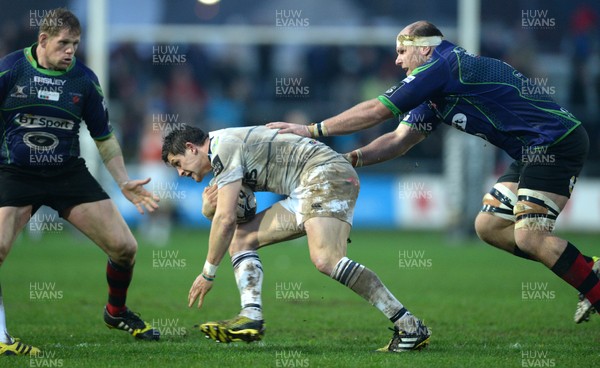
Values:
[(487, 98), (45, 95)]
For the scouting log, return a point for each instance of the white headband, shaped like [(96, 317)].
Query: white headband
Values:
[(406, 40)]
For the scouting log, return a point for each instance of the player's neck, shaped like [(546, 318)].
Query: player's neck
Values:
[(35, 55)]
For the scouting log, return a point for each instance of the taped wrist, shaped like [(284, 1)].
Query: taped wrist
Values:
[(355, 158), (317, 130)]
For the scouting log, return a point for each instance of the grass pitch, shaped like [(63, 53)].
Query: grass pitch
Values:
[(485, 308)]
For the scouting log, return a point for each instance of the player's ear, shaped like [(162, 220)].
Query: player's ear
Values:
[(425, 50), (190, 146), (43, 39)]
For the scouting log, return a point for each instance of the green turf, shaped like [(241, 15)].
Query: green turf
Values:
[(471, 296)]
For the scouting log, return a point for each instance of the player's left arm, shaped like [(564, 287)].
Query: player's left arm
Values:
[(97, 121), (209, 201), (222, 229), (386, 147), (133, 190), (5, 76)]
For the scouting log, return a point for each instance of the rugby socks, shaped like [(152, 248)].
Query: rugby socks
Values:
[(4, 336), (573, 267), (119, 278), (248, 272), (367, 284), (588, 260), (519, 253)]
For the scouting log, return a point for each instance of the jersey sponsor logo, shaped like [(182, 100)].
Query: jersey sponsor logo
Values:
[(403, 82), (36, 121), (50, 81), (75, 97), (408, 79), (19, 92), (251, 179), (40, 141), (390, 90), (48, 95), (217, 165), (459, 121)]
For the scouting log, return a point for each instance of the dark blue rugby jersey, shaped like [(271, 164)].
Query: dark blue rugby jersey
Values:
[(481, 96), (41, 110)]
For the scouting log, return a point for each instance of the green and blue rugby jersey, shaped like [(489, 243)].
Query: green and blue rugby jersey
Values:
[(41, 110), (481, 96)]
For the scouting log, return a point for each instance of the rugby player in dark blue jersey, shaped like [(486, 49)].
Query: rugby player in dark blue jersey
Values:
[(487, 98), (45, 95)]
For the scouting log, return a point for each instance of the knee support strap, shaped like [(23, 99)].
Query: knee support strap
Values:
[(535, 211), (500, 202)]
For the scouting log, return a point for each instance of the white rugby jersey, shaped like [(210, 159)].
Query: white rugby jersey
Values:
[(265, 160)]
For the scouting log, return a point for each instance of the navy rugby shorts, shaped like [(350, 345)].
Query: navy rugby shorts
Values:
[(59, 187)]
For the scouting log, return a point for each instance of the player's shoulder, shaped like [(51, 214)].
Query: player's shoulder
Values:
[(82, 70), (448, 50), (8, 61), (222, 139), (439, 60), (244, 133)]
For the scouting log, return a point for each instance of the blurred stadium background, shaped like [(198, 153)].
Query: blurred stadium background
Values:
[(218, 64)]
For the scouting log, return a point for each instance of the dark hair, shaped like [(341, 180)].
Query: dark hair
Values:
[(174, 142), (424, 28), (58, 19)]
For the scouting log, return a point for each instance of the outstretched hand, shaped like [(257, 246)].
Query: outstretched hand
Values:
[(135, 192), (199, 289), (284, 127)]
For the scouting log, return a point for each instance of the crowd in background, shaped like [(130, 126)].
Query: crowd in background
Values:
[(216, 86)]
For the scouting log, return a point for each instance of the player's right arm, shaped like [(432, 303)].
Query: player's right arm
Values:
[(221, 233), (362, 116), (423, 84)]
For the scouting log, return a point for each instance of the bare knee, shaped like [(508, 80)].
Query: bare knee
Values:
[(488, 227), (482, 228), (123, 251), (322, 265), (242, 241), (325, 263)]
